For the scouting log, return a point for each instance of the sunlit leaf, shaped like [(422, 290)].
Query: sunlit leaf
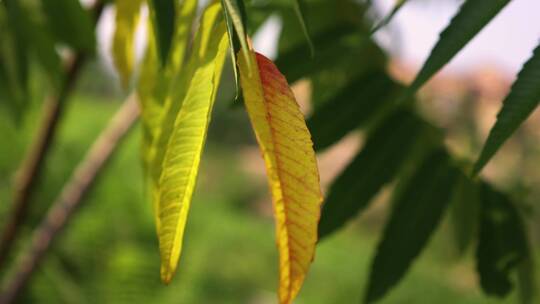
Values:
[(375, 165), (156, 85), (291, 168), (417, 210), (502, 244), (471, 18), (123, 49), (163, 15), (184, 138), (523, 98), (71, 23), (234, 11)]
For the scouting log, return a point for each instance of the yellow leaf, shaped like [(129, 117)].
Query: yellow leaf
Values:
[(127, 17), (291, 167), (182, 134)]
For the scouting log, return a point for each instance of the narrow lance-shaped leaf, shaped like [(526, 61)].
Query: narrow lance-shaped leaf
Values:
[(183, 149), (464, 211), (375, 165), (156, 85), (386, 20), (123, 49), (502, 243), (233, 10), (523, 98), (471, 18), (71, 23), (416, 212), (291, 168)]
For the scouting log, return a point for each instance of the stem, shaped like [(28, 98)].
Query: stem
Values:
[(70, 198), (32, 167)]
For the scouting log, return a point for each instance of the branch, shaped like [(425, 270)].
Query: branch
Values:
[(70, 198), (33, 165)]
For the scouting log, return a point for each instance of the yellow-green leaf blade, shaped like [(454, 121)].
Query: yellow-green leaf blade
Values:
[(185, 143), (291, 168), (123, 49)]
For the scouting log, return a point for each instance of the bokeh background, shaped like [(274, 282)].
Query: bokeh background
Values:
[(109, 252)]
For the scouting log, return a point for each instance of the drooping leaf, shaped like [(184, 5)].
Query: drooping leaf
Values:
[(36, 37), (156, 84), (163, 15), (358, 102), (123, 49), (417, 210), (464, 210), (375, 165), (186, 136), (502, 243), (234, 10), (71, 23), (234, 39), (291, 168), (523, 98), (471, 18), (299, 8)]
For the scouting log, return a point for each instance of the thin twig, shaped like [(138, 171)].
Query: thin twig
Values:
[(70, 198), (33, 165)]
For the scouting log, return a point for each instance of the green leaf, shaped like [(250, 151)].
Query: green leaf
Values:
[(360, 101), (182, 134), (502, 243), (376, 165), (416, 212), (71, 23), (471, 18), (523, 98), (163, 14), (384, 22), (123, 49), (464, 211), (235, 14), (235, 40), (156, 84), (299, 7), (36, 37)]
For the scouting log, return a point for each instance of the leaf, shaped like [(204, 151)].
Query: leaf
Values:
[(291, 168), (36, 38), (299, 6), (417, 210), (127, 18), (186, 136), (386, 20), (234, 39), (358, 102), (527, 280), (156, 84), (71, 23), (471, 18), (464, 211), (502, 243), (234, 10), (523, 98), (375, 165), (163, 16)]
